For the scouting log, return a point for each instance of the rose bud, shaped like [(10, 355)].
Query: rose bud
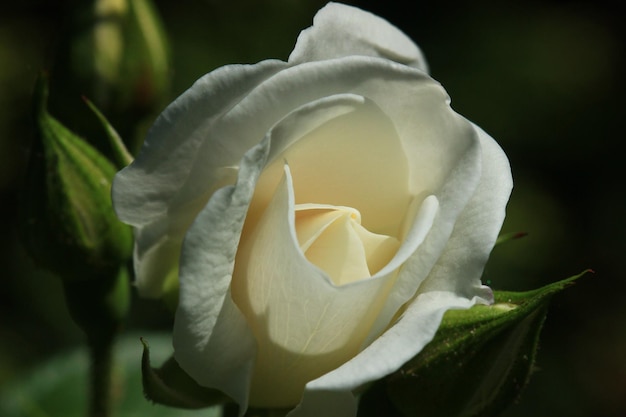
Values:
[(68, 225), (116, 53)]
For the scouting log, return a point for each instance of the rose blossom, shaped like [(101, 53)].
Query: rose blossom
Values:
[(326, 211)]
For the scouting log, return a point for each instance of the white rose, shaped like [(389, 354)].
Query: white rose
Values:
[(332, 207)]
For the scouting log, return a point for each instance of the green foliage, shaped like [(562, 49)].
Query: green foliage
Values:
[(58, 387)]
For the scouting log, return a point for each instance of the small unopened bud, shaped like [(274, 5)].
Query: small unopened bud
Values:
[(67, 221), (128, 53), (116, 53)]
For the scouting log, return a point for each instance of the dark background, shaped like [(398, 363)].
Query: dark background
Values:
[(543, 78)]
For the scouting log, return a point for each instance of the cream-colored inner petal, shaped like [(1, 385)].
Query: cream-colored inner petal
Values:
[(333, 239), (308, 308), (328, 214), (352, 159)]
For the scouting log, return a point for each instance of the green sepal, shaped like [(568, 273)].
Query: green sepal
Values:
[(67, 221), (171, 386), (122, 157), (478, 363)]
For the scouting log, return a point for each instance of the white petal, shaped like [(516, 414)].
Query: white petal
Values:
[(337, 248), (432, 136), (304, 325), (384, 356), (457, 188), (155, 259), (476, 229), (341, 247), (379, 249), (314, 219), (212, 340), (146, 194), (146, 188), (444, 157), (339, 30), (344, 161)]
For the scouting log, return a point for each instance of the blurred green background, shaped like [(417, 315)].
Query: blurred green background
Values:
[(544, 78)]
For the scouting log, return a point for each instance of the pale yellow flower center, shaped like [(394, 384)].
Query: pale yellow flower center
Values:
[(332, 238)]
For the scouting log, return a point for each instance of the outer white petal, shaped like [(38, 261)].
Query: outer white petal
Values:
[(155, 257), (331, 394), (476, 229), (339, 30), (147, 193), (170, 150), (212, 340), (416, 105), (187, 156), (444, 156)]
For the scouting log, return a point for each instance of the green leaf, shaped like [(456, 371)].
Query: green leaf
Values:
[(479, 361), (171, 386), (59, 387)]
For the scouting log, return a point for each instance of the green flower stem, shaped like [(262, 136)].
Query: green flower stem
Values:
[(99, 306), (101, 357)]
